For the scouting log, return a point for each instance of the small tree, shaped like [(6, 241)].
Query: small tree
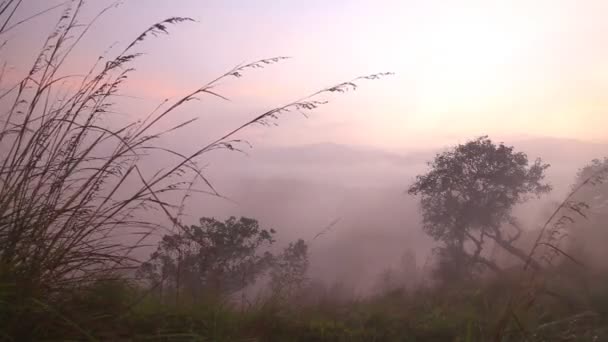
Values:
[(220, 258), (288, 273), (589, 200), (468, 195), (592, 184)]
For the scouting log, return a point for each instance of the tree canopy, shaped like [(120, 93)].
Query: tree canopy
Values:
[(221, 258), (218, 257), (470, 191)]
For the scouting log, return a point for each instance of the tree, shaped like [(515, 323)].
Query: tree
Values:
[(468, 195), (591, 184), (589, 200), (220, 258), (288, 272)]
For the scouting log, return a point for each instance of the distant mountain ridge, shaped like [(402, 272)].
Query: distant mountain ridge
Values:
[(349, 165), (558, 149)]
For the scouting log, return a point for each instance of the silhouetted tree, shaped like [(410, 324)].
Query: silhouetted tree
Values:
[(288, 272), (468, 195), (589, 200), (217, 257), (592, 180)]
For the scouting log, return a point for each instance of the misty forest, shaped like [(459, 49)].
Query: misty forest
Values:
[(292, 171)]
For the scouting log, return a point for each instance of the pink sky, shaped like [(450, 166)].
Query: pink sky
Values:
[(463, 68)]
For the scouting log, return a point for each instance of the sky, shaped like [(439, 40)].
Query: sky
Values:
[(462, 68)]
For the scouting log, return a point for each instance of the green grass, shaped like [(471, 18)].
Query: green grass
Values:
[(466, 312)]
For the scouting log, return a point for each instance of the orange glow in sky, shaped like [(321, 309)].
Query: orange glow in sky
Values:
[(463, 68)]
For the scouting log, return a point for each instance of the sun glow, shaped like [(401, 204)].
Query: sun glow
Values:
[(467, 58)]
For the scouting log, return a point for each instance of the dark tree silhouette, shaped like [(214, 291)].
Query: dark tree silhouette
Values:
[(468, 195), (589, 200), (215, 258), (288, 272), (592, 180)]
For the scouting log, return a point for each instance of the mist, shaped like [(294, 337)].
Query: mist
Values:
[(319, 171), (301, 190)]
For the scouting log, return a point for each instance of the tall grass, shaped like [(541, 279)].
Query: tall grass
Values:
[(534, 286), (71, 183)]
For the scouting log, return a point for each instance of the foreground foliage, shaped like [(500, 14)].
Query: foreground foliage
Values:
[(117, 310)]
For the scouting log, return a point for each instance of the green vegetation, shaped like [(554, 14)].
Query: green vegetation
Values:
[(115, 310), (72, 192)]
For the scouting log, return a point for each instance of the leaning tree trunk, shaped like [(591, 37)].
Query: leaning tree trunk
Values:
[(520, 254)]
